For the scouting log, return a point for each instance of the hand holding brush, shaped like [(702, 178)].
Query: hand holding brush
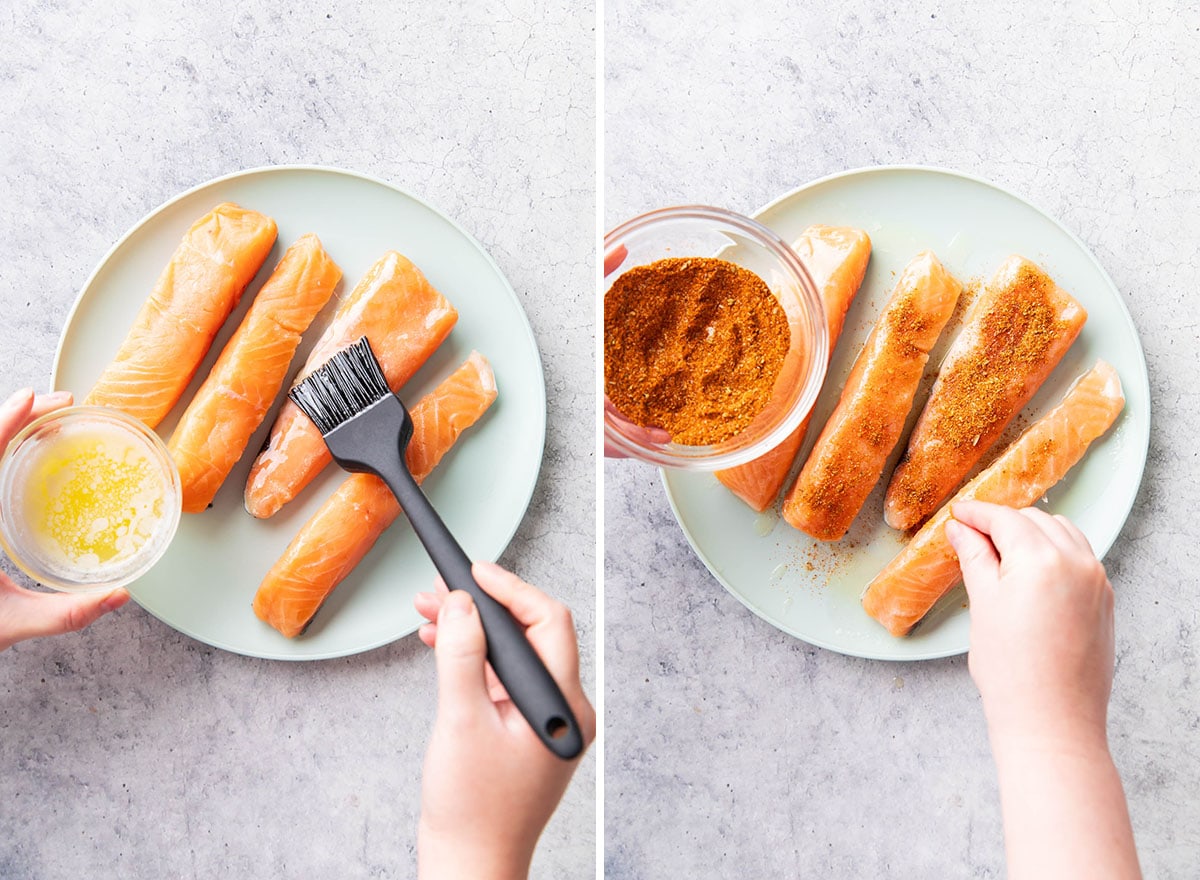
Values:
[(485, 770), (367, 429)]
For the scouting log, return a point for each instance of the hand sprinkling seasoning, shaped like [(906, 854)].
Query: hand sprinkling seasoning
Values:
[(692, 345)]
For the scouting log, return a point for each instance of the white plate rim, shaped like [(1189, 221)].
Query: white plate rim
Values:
[(515, 302), (1142, 436)]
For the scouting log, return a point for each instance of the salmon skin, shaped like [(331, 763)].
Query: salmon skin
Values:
[(1013, 336), (201, 285), (836, 257), (405, 318), (849, 456), (346, 526), (927, 567), (216, 426)]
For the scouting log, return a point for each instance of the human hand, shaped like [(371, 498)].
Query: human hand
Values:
[(489, 784), (1041, 625), (644, 435), (26, 614)]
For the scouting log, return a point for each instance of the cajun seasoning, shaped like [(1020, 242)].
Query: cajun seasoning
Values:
[(1019, 328), (850, 454), (1016, 333), (692, 345)]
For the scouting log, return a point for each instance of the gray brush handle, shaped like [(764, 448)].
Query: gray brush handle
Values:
[(529, 684)]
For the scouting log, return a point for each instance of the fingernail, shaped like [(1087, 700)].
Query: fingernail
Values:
[(457, 604), (56, 396)]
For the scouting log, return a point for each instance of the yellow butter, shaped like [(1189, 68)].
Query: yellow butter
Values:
[(92, 496)]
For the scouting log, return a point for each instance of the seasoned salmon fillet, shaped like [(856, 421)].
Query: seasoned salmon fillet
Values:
[(849, 455), (836, 257), (201, 285), (216, 426), (1014, 334), (346, 526), (405, 318), (927, 567)]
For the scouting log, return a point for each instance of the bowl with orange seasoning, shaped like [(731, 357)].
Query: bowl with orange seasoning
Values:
[(715, 343)]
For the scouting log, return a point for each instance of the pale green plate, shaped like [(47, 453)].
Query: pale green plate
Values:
[(812, 590), (204, 585)]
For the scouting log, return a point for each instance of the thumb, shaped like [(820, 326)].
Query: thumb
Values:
[(461, 651), (28, 615), (976, 556)]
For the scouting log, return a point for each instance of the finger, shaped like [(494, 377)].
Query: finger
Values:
[(496, 692), (652, 434), (428, 634), (644, 434), (1008, 530), (615, 258), (48, 403), (32, 615), (14, 413), (1076, 534), (976, 557), (461, 652), (551, 631), (548, 623), (428, 605), (611, 451), (1051, 528)]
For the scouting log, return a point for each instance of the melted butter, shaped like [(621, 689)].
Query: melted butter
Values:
[(765, 522), (92, 497)]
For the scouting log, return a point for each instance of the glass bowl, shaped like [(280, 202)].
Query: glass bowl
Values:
[(699, 231), (89, 499)]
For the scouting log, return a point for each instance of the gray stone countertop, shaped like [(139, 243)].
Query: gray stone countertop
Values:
[(734, 750), (130, 750)]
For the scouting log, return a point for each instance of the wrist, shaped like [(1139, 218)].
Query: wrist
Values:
[(1056, 740), (1052, 722), (460, 853)]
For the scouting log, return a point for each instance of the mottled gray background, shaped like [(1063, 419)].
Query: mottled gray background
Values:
[(735, 750), (130, 750)]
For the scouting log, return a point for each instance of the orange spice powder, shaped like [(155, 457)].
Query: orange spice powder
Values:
[(1016, 333), (692, 345)]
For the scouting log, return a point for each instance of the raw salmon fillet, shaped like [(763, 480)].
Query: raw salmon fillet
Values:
[(231, 404), (346, 526), (836, 257), (849, 456), (405, 319), (1013, 336), (218, 257), (927, 567)]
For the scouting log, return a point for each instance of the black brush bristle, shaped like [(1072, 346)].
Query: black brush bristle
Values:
[(342, 387)]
